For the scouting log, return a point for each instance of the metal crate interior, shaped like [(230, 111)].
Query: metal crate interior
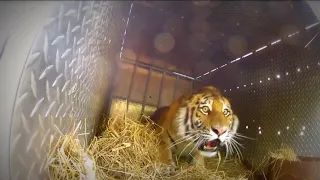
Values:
[(264, 56), (85, 58)]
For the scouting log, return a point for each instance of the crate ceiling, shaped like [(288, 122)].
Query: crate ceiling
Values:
[(200, 36)]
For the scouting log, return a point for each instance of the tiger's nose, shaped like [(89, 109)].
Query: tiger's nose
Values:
[(219, 131)]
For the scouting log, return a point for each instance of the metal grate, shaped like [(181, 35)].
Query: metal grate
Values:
[(146, 86)]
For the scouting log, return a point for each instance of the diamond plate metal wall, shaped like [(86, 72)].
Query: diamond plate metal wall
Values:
[(65, 74), (276, 94)]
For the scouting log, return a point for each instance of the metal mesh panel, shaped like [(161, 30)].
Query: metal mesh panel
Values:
[(276, 94)]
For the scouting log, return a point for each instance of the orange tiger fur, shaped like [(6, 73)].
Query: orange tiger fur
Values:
[(205, 115)]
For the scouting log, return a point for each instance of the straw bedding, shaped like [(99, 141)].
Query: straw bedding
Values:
[(127, 149), (278, 157)]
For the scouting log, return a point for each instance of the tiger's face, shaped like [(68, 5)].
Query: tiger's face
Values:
[(208, 120)]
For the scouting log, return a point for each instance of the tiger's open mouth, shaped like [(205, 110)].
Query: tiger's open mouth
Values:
[(210, 146)]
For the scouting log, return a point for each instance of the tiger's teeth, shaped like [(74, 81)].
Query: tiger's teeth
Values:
[(210, 148)]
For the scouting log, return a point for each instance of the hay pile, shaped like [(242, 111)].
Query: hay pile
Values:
[(69, 160), (273, 161), (127, 149), (278, 157), (284, 153)]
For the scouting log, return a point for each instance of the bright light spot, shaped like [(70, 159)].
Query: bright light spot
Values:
[(259, 128), (179, 74), (247, 55), (290, 35), (268, 79), (287, 73), (253, 121), (260, 81), (247, 127), (311, 40), (261, 48), (251, 83), (312, 25), (303, 128), (298, 69), (279, 132), (278, 76), (214, 69), (230, 89), (259, 132), (235, 60), (225, 90), (275, 42), (182, 17), (244, 85), (205, 73), (301, 133), (125, 31), (223, 66), (287, 127), (307, 67), (237, 87)]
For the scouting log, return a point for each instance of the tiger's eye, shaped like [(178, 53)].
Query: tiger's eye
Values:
[(225, 112), (205, 109)]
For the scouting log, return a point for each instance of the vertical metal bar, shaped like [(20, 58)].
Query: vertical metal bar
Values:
[(110, 94), (131, 85), (146, 90), (160, 92), (175, 87)]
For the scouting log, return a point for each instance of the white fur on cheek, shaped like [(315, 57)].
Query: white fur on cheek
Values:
[(182, 113), (208, 154), (235, 123)]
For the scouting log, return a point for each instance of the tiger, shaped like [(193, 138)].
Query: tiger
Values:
[(196, 124)]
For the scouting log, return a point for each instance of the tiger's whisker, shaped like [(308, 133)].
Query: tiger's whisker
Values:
[(240, 135), (181, 140), (196, 145), (237, 149), (186, 147), (237, 142)]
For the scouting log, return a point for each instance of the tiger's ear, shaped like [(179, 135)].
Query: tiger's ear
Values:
[(235, 123), (208, 89)]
